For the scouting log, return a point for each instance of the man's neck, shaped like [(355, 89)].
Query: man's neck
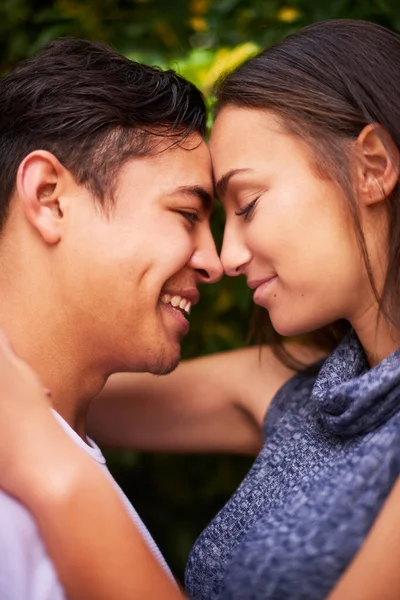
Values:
[(56, 353)]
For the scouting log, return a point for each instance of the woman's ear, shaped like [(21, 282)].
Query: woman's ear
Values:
[(378, 164), (38, 187)]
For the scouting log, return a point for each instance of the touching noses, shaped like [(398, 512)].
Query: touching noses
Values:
[(234, 254), (205, 260)]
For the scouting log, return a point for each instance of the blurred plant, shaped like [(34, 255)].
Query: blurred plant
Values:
[(165, 30)]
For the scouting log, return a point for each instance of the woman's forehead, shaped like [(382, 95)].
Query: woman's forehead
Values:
[(242, 138)]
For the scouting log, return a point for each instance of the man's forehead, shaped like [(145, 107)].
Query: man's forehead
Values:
[(189, 171), (172, 146), (193, 156), (175, 171)]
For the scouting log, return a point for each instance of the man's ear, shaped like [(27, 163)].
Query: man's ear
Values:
[(378, 167), (39, 184)]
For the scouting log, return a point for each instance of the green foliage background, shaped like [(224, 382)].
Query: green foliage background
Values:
[(178, 495)]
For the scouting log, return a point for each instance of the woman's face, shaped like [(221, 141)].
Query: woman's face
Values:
[(288, 230)]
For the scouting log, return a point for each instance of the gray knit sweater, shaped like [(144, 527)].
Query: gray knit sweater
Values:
[(330, 458)]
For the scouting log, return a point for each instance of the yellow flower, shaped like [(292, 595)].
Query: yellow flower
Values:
[(199, 7), (226, 60), (288, 14), (198, 24)]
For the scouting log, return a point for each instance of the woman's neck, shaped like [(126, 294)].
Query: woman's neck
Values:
[(377, 335)]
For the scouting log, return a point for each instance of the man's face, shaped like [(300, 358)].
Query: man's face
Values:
[(129, 278)]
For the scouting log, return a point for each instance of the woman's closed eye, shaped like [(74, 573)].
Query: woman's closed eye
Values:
[(247, 210)]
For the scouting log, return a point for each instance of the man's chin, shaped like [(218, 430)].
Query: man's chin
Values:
[(164, 365)]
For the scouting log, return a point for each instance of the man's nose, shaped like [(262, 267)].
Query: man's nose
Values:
[(206, 262), (213, 272)]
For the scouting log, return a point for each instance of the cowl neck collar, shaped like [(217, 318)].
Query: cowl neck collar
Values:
[(353, 398)]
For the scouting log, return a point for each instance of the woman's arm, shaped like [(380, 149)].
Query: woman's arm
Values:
[(216, 403), (97, 550), (374, 574)]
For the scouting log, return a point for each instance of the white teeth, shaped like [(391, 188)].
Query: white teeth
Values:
[(177, 302)]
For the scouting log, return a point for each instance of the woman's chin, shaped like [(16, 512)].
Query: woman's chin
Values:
[(291, 327)]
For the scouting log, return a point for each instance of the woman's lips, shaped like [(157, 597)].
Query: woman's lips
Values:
[(260, 288)]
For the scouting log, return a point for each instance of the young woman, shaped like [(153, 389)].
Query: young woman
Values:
[(306, 157)]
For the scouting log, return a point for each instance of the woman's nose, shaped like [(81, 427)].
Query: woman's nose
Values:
[(234, 254)]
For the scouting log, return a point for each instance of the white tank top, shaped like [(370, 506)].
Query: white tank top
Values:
[(94, 451)]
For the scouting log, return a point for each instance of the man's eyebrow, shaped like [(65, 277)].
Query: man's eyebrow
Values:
[(222, 184), (198, 192)]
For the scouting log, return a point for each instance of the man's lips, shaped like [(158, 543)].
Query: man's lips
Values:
[(182, 299)]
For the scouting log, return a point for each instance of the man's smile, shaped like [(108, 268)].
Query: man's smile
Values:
[(178, 302)]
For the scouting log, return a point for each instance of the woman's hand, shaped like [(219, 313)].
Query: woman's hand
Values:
[(96, 548), (25, 420)]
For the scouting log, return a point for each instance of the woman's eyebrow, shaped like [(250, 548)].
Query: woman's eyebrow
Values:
[(221, 185)]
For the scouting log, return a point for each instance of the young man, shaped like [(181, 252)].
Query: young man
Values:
[(105, 199)]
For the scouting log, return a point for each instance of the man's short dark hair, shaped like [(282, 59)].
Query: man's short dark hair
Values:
[(93, 109)]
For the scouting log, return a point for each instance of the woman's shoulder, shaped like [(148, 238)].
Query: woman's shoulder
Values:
[(293, 398)]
